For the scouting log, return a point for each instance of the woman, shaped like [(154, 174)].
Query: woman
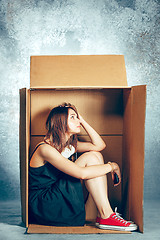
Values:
[(55, 191)]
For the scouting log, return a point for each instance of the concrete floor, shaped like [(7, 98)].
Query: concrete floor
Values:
[(11, 226)]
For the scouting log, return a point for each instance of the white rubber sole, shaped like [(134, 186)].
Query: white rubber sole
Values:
[(119, 228)]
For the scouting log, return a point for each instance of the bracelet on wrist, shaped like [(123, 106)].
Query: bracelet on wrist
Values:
[(111, 166)]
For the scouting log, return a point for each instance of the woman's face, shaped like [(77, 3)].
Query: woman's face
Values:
[(73, 122)]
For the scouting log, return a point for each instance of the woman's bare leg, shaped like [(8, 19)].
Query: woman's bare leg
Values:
[(97, 187)]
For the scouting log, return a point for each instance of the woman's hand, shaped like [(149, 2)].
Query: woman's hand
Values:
[(115, 169), (96, 144), (80, 118)]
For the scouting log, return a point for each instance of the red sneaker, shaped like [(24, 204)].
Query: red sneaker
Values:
[(115, 222)]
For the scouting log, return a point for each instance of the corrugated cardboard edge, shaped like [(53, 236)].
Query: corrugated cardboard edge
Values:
[(24, 140), (87, 229), (76, 87), (127, 136)]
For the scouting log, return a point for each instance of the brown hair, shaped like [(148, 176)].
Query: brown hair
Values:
[(57, 127)]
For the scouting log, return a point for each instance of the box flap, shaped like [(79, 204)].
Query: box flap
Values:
[(77, 70), (24, 142), (133, 154), (137, 154)]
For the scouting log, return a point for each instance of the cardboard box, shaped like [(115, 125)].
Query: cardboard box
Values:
[(97, 86)]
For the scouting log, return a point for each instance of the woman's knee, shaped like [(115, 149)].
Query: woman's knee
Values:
[(99, 156), (94, 158)]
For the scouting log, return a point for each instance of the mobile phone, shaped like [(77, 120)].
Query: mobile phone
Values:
[(116, 178)]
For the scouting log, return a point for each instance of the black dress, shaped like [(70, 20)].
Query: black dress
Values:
[(55, 198)]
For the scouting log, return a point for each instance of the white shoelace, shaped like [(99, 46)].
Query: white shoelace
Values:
[(118, 217)]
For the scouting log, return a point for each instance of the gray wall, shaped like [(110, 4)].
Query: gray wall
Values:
[(32, 27)]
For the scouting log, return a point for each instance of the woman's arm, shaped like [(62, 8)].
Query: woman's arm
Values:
[(96, 144), (51, 155)]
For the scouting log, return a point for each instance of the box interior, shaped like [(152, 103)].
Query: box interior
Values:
[(102, 108)]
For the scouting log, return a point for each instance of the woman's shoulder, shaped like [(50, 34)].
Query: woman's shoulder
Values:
[(45, 149), (44, 145), (41, 145), (37, 147), (36, 159)]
